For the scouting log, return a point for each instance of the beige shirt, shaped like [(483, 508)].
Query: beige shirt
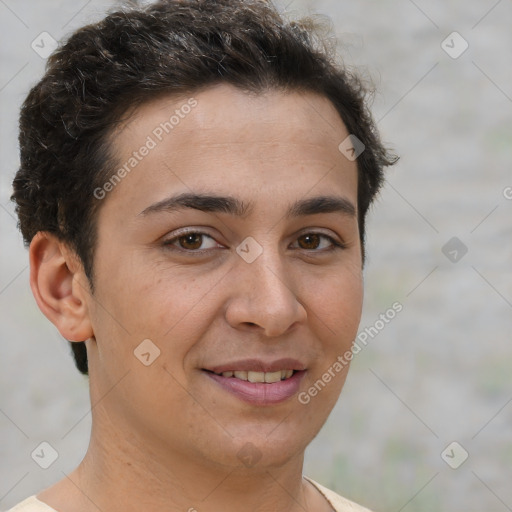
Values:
[(338, 503)]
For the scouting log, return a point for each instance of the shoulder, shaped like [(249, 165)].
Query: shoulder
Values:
[(32, 504), (339, 503)]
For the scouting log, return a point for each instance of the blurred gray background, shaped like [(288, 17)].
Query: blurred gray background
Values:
[(440, 371)]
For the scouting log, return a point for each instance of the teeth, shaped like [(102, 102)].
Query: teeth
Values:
[(268, 377), (256, 376), (273, 376)]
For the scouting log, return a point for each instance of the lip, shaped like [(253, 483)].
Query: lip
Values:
[(258, 365), (259, 393)]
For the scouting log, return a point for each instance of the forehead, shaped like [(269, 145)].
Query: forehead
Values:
[(226, 139)]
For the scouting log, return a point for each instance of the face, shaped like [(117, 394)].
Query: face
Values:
[(244, 299)]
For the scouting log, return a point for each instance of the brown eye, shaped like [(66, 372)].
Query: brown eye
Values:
[(191, 241), (312, 240)]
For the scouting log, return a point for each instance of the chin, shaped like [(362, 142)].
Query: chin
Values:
[(269, 448)]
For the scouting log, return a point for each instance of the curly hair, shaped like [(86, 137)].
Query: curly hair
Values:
[(104, 70)]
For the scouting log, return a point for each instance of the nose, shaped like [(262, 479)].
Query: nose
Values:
[(264, 297)]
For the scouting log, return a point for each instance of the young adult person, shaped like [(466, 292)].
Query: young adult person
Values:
[(193, 188)]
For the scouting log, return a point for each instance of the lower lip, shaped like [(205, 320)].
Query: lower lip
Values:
[(260, 393)]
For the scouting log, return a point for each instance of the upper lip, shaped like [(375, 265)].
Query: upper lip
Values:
[(258, 365)]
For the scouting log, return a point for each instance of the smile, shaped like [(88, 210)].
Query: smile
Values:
[(258, 388), (268, 377)]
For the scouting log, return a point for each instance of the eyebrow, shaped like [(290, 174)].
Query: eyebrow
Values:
[(233, 206)]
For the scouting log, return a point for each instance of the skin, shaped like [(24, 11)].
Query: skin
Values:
[(165, 436)]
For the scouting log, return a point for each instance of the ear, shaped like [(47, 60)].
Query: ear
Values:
[(60, 286)]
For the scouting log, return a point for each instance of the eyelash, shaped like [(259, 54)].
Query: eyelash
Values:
[(169, 243)]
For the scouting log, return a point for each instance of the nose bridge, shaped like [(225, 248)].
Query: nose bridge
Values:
[(265, 294), (270, 274)]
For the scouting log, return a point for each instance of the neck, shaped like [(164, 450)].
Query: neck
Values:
[(116, 475)]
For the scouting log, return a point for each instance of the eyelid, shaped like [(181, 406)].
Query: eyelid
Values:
[(319, 231)]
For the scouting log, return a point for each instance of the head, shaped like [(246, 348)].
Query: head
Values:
[(228, 99)]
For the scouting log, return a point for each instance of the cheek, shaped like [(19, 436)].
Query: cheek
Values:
[(337, 312), (176, 311), (336, 301), (154, 298), (177, 300)]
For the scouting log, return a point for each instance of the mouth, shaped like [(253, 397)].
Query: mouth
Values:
[(252, 376), (258, 383)]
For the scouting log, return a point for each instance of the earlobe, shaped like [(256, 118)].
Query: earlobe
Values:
[(59, 286)]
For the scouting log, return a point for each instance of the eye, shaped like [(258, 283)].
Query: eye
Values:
[(311, 242), (190, 241), (193, 242)]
